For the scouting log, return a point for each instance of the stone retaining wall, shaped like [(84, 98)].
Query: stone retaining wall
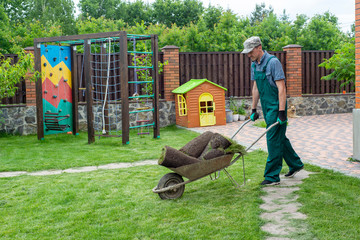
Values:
[(22, 119)]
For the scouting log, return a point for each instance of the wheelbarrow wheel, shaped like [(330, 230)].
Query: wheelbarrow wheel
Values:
[(168, 180)]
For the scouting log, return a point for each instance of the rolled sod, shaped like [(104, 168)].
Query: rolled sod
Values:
[(215, 147), (173, 158), (195, 147)]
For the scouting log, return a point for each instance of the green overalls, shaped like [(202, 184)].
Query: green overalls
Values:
[(279, 146)]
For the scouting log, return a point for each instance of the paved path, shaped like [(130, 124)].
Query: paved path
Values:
[(323, 140)]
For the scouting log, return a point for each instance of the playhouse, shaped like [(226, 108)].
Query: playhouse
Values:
[(199, 103)]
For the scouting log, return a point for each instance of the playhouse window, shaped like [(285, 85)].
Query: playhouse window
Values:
[(182, 105)]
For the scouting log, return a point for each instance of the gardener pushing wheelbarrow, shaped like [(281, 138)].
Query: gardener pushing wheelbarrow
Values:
[(269, 86)]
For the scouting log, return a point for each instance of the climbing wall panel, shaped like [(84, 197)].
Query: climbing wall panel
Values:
[(56, 89)]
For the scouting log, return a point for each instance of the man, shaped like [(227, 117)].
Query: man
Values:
[(269, 87)]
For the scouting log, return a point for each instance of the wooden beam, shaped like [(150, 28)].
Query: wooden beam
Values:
[(39, 100), (75, 90), (124, 87), (155, 61), (78, 37), (89, 97)]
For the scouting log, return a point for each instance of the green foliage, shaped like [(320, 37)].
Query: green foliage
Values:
[(12, 74), (235, 107), (184, 23), (343, 64)]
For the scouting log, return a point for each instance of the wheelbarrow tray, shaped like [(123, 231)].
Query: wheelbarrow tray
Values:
[(205, 167)]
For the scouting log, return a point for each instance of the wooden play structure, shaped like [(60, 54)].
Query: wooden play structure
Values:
[(200, 102), (104, 67)]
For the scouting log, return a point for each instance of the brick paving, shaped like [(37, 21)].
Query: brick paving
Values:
[(323, 140)]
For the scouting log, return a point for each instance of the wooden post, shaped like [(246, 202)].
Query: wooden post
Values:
[(155, 74), (39, 101), (75, 90), (124, 87), (89, 98)]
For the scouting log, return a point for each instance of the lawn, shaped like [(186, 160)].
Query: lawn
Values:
[(62, 151), (119, 204)]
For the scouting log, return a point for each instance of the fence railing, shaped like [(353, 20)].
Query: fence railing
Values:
[(228, 69), (312, 73)]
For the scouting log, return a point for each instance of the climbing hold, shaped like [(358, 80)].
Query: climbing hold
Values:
[(65, 80), (51, 74), (45, 64), (61, 48), (56, 85), (60, 110), (65, 100), (60, 69), (54, 96), (45, 91), (66, 58), (54, 59)]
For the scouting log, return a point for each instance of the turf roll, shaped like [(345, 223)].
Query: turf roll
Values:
[(173, 158), (195, 147), (215, 147)]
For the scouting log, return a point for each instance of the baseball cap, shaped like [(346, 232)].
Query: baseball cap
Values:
[(250, 44)]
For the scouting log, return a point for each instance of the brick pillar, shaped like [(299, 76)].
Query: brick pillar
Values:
[(171, 71), (356, 111), (30, 86), (293, 70)]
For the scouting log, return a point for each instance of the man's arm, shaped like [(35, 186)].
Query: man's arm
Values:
[(282, 94), (256, 96)]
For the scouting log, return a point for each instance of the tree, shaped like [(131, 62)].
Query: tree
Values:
[(12, 74), (99, 8), (49, 12), (322, 33), (179, 12), (260, 13), (211, 16), (134, 12), (16, 10), (4, 32), (343, 64)]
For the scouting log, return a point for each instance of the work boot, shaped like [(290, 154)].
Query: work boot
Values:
[(269, 183), (291, 174)]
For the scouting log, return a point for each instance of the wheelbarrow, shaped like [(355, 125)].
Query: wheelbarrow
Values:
[(172, 185)]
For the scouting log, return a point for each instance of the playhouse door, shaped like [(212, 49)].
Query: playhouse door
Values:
[(207, 110), (56, 89)]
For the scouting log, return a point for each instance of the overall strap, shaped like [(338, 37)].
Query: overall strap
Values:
[(267, 62)]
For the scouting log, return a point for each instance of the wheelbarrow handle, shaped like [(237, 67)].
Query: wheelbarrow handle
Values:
[(242, 125), (268, 129)]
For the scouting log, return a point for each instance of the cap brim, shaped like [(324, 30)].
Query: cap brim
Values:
[(247, 50)]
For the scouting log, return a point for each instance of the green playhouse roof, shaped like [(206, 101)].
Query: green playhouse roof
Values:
[(193, 83)]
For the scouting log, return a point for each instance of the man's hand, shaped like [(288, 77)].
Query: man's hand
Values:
[(281, 117), (254, 115)]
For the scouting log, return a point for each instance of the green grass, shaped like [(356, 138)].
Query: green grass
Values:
[(119, 204), (332, 203), (26, 153)]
